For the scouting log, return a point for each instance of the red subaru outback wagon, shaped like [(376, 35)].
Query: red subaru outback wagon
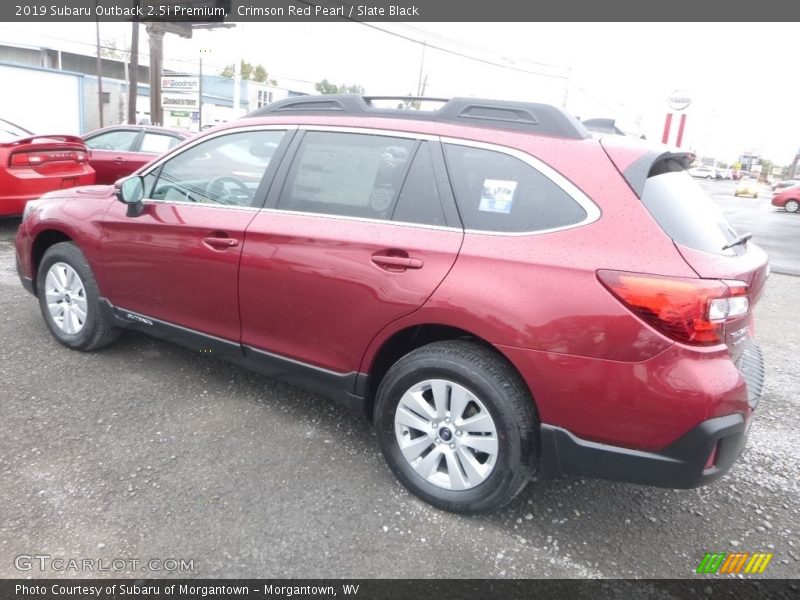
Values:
[(500, 292)]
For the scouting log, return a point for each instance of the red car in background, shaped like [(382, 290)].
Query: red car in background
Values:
[(118, 151), (788, 199), (31, 165)]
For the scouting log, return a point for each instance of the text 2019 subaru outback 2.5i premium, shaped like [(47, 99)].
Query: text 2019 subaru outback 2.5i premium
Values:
[(499, 291)]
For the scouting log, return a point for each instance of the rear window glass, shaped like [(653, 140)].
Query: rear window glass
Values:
[(500, 193), (11, 133), (685, 212)]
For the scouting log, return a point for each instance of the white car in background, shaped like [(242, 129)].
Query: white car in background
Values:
[(704, 172)]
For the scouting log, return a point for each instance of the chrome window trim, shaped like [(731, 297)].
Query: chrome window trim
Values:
[(170, 154), (565, 185), (593, 212), (371, 131), (198, 204), (362, 219)]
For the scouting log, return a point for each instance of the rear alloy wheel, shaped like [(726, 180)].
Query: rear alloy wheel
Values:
[(457, 426), (792, 206), (69, 300)]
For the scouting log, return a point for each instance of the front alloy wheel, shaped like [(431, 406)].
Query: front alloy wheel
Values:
[(792, 206), (66, 298), (69, 299)]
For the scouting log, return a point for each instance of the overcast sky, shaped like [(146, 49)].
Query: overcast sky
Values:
[(741, 76)]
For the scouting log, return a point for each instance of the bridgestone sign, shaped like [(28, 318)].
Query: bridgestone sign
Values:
[(180, 101)]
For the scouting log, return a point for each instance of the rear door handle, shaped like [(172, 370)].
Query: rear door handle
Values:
[(119, 160), (220, 243), (396, 263)]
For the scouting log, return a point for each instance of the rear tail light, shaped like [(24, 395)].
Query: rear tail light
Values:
[(693, 311), (34, 158)]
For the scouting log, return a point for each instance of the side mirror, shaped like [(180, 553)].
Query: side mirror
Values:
[(130, 191)]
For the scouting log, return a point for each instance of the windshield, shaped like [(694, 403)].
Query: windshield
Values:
[(685, 212)]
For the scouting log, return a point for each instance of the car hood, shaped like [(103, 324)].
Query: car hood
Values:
[(91, 191)]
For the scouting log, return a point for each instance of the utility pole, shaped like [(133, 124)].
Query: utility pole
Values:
[(99, 70), (237, 84), (566, 87), (133, 70), (200, 96), (421, 65), (155, 33)]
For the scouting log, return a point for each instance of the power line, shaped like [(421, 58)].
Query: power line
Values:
[(461, 54)]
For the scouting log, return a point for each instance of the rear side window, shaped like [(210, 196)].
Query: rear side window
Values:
[(500, 193), (348, 174), (685, 212)]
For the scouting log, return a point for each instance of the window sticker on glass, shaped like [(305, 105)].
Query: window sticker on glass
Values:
[(497, 195), (328, 174)]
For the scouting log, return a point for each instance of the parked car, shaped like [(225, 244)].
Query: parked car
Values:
[(118, 151), (789, 199), (501, 293), (782, 185), (31, 165), (704, 172), (747, 186)]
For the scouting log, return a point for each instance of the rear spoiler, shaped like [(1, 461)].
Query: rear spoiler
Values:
[(70, 139), (638, 171)]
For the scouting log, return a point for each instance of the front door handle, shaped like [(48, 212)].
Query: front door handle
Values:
[(220, 243), (396, 261), (119, 160)]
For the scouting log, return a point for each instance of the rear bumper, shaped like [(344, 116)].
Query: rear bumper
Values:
[(26, 184), (681, 464)]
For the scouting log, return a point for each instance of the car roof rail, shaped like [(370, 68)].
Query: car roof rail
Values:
[(528, 117)]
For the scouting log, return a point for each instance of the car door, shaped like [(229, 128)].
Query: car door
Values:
[(111, 153), (328, 266), (177, 263)]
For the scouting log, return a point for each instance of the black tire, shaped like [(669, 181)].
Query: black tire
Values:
[(792, 206), (491, 379), (97, 330)]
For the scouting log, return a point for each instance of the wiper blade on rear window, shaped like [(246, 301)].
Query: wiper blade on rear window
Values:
[(742, 239)]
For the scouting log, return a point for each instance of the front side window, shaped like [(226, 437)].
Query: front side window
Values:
[(121, 140), (497, 192), (348, 174), (224, 170)]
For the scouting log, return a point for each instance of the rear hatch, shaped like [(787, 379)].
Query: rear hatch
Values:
[(701, 233)]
